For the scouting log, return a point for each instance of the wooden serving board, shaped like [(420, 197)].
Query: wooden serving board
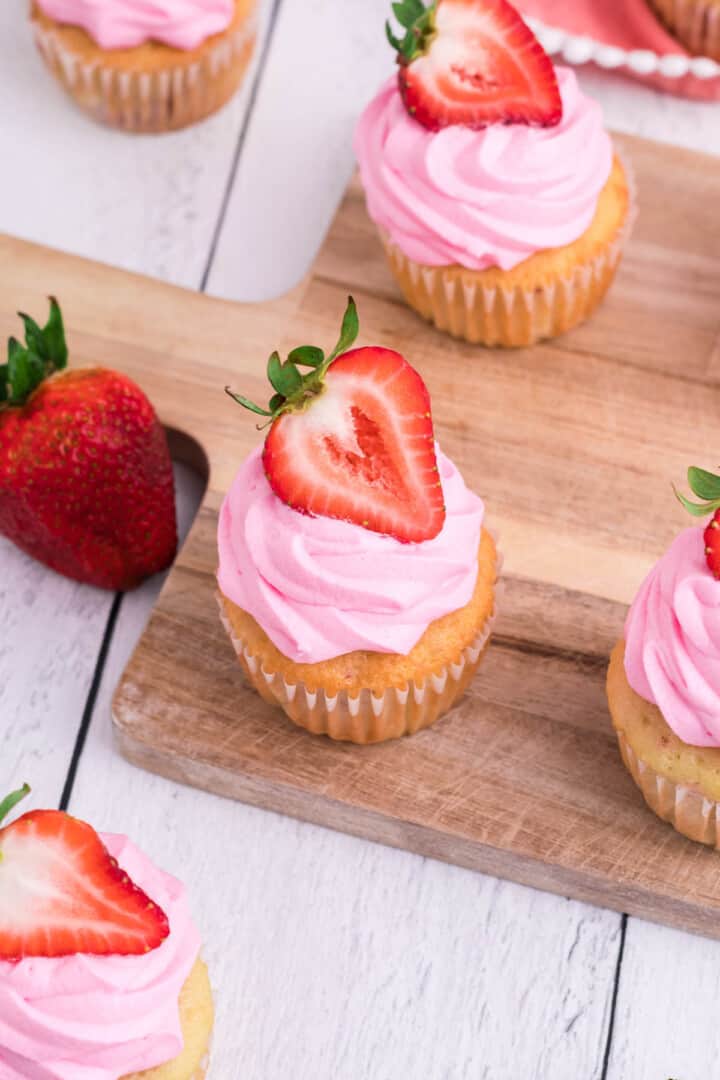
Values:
[(573, 445)]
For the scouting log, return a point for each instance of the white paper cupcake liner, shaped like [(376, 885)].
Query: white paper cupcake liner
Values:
[(456, 300), (164, 99), (684, 807), (365, 716)]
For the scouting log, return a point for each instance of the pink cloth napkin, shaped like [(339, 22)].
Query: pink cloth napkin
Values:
[(629, 24)]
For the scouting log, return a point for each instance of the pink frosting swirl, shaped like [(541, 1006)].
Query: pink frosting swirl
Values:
[(125, 24), (482, 198), (320, 588), (672, 641), (100, 1017)]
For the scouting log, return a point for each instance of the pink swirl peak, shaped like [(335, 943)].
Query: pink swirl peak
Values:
[(125, 24), (482, 198), (320, 588), (100, 1017), (672, 641)]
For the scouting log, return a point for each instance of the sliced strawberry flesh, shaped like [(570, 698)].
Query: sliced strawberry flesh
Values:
[(712, 544), (483, 66), (363, 451), (62, 893)]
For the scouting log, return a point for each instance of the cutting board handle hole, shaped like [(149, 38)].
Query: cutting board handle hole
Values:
[(186, 450)]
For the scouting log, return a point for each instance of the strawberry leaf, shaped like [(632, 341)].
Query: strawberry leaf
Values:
[(418, 22), (698, 509), (54, 335), (34, 337), (307, 356), (348, 332), (292, 389), (407, 12), (25, 372), (44, 352), (10, 802), (704, 484), (246, 403), (290, 380), (274, 371)]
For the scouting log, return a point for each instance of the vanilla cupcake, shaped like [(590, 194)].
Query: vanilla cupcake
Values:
[(356, 574), (664, 683), (147, 67), (695, 23), (502, 208), (100, 968)]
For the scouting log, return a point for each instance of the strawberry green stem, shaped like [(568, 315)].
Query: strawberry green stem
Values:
[(418, 22), (293, 389), (43, 353), (11, 801), (706, 487)]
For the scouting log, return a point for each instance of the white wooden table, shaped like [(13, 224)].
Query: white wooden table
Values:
[(332, 958)]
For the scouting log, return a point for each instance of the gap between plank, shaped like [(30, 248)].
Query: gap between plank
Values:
[(90, 701), (272, 21), (614, 999)]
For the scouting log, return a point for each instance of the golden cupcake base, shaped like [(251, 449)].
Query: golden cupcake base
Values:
[(368, 697), (546, 295), (364, 717), (151, 88), (196, 1017), (680, 783), (695, 23)]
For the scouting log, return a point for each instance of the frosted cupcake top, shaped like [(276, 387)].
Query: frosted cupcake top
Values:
[(100, 1017), (321, 587), (672, 641), (125, 24), (482, 198)]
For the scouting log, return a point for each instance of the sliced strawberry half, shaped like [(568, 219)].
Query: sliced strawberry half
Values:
[(364, 450), (473, 62), (712, 544), (62, 893), (353, 439)]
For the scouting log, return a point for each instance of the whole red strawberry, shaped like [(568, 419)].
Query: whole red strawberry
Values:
[(353, 438), (472, 62), (706, 486), (86, 483), (62, 892)]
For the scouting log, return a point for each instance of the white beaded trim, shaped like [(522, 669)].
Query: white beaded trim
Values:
[(577, 49)]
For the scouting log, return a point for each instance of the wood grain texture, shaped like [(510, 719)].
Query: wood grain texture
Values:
[(667, 1004)]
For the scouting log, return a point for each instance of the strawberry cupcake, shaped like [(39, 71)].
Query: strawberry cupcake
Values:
[(146, 67), (490, 176), (100, 969), (664, 677), (356, 575), (695, 23)]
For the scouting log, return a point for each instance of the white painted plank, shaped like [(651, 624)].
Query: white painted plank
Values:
[(327, 60), (666, 1017), (50, 633), (146, 203), (348, 959)]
